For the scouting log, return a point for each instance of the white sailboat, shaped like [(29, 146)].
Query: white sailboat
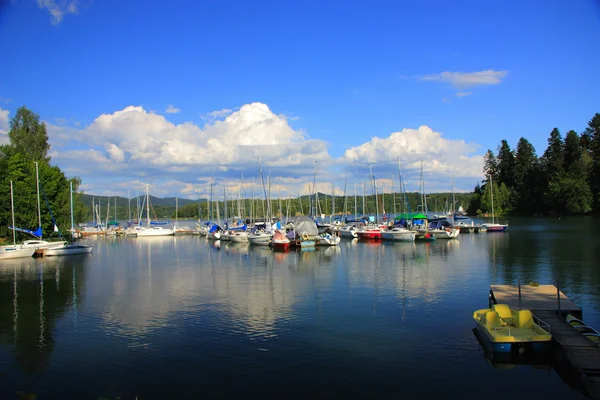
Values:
[(38, 243), (150, 230), (493, 227), (69, 249), (14, 251)]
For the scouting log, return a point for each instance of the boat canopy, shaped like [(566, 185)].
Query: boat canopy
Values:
[(303, 224), (407, 216), (37, 233)]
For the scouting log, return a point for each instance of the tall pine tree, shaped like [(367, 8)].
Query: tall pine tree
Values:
[(506, 164)]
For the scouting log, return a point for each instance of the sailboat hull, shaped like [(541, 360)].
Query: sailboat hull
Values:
[(155, 231), (11, 252), (70, 249)]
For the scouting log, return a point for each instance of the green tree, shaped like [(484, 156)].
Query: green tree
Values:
[(29, 144), (554, 155), (593, 133), (571, 193), (28, 135), (527, 174), (490, 165), (506, 164), (572, 150)]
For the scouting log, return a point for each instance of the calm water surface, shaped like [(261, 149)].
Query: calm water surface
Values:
[(184, 317)]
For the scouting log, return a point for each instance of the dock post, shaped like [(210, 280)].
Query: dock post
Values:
[(558, 296), (519, 284)]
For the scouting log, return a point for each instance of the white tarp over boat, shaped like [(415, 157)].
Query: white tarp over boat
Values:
[(304, 225)]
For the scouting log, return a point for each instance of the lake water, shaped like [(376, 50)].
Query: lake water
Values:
[(182, 317)]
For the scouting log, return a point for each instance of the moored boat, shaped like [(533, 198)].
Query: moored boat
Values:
[(494, 227), (238, 237), (11, 252), (398, 235), (42, 244), (69, 249), (506, 330), (261, 238), (326, 239), (445, 233), (424, 236), (279, 240), (586, 330), (14, 251), (369, 233), (154, 231)]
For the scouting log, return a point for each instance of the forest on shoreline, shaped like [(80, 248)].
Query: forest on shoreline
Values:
[(564, 180)]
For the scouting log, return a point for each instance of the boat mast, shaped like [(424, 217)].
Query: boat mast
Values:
[(279, 195), (363, 199), (332, 201), (394, 197), (107, 210), (37, 179), (424, 197), (147, 206), (12, 209), (315, 200), (355, 205), (225, 214), (375, 194), (453, 200), (345, 195), (72, 225), (129, 205), (492, 193)]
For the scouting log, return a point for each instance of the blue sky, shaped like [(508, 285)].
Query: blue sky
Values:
[(305, 81)]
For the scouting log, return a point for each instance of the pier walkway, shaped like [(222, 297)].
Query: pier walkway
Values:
[(551, 305)]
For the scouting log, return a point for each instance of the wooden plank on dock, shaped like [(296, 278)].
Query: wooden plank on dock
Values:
[(582, 353), (592, 386), (542, 297)]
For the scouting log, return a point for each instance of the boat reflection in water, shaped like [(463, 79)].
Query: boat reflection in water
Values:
[(36, 293)]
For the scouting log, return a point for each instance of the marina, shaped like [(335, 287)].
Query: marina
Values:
[(348, 319)]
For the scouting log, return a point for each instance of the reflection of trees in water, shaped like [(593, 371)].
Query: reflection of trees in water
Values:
[(548, 250), (34, 294)]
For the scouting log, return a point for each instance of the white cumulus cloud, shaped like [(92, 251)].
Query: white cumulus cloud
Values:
[(58, 8), (4, 126), (172, 109), (442, 158), (134, 145), (142, 142), (468, 79)]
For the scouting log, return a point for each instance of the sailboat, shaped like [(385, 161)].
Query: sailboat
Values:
[(69, 249), (14, 251), (150, 230), (38, 244), (493, 227)]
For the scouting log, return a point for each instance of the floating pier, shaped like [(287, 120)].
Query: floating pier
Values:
[(551, 305)]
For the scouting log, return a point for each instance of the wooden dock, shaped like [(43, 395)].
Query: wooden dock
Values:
[(539, 298), (551, 305)]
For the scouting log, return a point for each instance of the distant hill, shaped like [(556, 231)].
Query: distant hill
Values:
[(124, 202)]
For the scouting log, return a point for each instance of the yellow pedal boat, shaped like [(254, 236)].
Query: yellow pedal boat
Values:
[(506, 330)]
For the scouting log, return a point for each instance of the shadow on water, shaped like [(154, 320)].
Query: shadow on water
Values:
[(546, 362), (34, 295)]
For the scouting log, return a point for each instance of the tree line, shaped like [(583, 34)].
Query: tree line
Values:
[(28, 145), (564, 180)]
